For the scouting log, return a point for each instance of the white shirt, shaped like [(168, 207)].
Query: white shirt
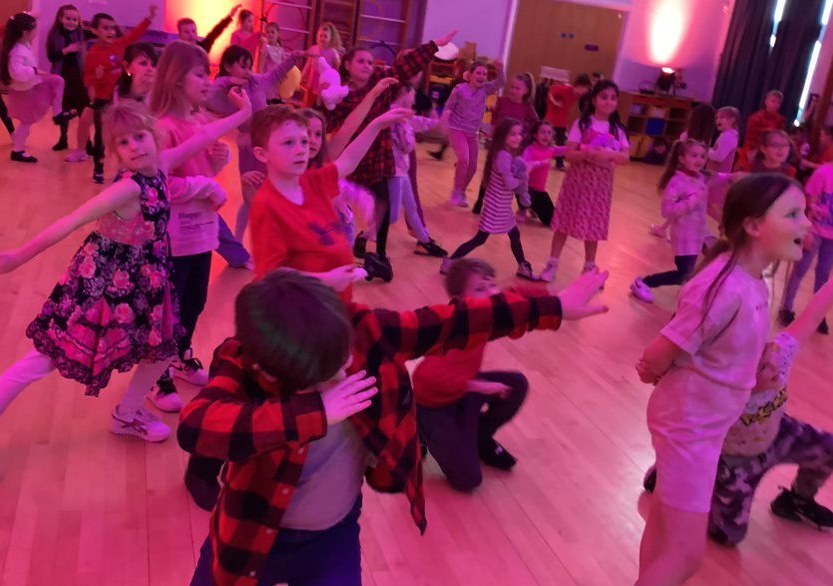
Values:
[(23, 68)]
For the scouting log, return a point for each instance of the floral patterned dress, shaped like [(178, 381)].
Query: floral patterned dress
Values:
[(583, 207), (114, 307)]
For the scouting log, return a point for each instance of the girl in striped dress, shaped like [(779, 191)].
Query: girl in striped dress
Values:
[(505, 174)]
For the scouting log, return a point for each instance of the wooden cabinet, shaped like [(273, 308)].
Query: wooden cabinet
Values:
[(648, 117)]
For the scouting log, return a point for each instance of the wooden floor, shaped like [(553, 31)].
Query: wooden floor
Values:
[(81, 506)]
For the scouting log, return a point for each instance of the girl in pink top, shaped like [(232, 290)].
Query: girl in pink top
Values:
[(684, 194), (245, 35), (819, 190), (538, 154), (327, 45), (704, 365), (195, 200)]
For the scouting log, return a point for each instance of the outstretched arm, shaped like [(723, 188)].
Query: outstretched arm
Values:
[(116, 196), (356, 150), (340, 138), (808, 320), (208, 134)]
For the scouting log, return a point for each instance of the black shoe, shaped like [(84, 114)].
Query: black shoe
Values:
[(23, 157), (823, 329), (378, 267), (360, 246), (98, 177), (477, 208), (793, 507), (64, 117), (205, 491), (495, 455), (61, 145), (719, 537), (436, 155), (649, 483), (786, 317), (430, 248)]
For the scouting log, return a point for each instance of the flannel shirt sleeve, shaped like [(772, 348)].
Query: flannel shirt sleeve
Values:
[(410, 63), (214, 34), (461, 325), (223, 422)]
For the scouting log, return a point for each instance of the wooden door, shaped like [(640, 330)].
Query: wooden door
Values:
[(578, 38)]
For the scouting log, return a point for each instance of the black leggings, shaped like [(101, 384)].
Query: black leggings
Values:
[(98, 148), (382, 197), (542, 205), (480, 239), (4, 116), (685, 265)]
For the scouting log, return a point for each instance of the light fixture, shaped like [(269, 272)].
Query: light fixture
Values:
[(665, 82)]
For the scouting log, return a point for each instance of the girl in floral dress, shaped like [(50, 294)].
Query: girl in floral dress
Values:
[(596, 143), (114, 308)]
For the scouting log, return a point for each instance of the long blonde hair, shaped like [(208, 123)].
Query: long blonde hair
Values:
[(335, 37), (177, 60)]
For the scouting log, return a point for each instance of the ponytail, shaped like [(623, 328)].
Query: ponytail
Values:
[(16, 26)]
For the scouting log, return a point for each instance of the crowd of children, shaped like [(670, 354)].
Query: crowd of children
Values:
[(310, 390)]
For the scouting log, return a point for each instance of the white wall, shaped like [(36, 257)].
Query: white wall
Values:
[(484, 22)]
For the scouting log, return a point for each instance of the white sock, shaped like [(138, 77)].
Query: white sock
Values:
[(145, 374), (31, 368)]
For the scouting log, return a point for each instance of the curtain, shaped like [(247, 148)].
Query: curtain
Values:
[(797, 32), (742, 72)]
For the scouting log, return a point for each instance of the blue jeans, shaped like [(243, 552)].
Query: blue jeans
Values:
[(331, 557), (230, 248), (402, 197)]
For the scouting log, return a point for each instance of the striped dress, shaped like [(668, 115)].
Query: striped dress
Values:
[(508, 177)]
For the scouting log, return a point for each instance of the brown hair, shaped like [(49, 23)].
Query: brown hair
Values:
[(335, 37), (749, 198), (475, 64), (529, 83), (127, 117), (499, 137), (267, 120), (321, 157), (294, 327), (678, 150), (177, 60), (461, 271), (701, 123), (766, 139), (183, 21)]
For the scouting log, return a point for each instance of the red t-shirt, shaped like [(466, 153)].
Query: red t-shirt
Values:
[(308, 237), (559, 116), (439, 381), (109, 58)]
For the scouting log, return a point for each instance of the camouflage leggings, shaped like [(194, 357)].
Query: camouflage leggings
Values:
[(738, 476)]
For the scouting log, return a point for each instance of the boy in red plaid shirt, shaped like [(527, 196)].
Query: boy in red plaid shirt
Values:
[(299, 437)]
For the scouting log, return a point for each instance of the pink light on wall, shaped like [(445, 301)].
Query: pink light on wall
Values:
[(667, 28)]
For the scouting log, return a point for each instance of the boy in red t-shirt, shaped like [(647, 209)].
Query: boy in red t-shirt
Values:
[(765, 119), (451, 391), (294, 223), (102, 69), (560, 101)]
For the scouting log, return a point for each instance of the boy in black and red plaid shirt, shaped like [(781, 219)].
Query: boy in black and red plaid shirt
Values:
[(298, 437)]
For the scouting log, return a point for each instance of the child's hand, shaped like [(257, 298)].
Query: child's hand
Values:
[(253, 179), (234, 10), (72, 48), (342, 277), (576, 297), (154, 10), (446, 39), (646, 375), (393, 116), (487, 387), (348, 397), (382, 85), (9, 261), (239, 98), (219, 151), (206, 188)]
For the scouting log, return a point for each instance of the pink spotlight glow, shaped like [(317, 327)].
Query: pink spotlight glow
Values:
[(666, 30)]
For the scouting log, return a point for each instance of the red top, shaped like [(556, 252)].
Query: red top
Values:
[(559, 116), (440, 381), (757, 124), (109, 58), (308, 237)]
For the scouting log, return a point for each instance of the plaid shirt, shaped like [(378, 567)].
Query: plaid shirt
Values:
[(377, 164), (263, 433)]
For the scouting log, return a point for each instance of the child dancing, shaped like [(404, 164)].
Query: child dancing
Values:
[(114, 309), (704, 366), (31, 91), (505, 174)]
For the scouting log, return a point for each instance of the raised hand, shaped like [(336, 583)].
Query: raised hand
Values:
[(239, 98), (234, 10), (253, 179), (348, 397), (382, 85), (576, 297), (446, 39), (393, 116), (153, 11)]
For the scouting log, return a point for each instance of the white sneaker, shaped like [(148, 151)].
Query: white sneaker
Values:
[(458, 200), (165, 397), (76, 156), (551, 268), (641, 291), (189, 369), (658, 230), (143, 424)]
